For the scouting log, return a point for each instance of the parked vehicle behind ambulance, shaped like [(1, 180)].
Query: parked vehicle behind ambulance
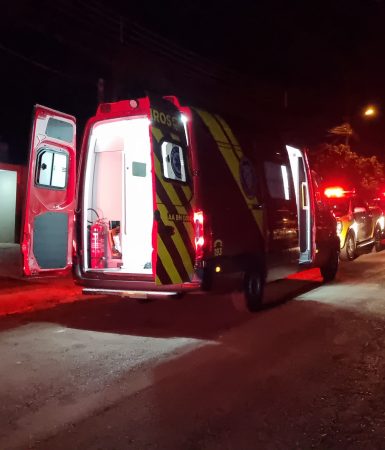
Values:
[(171, 199), (360, 226)]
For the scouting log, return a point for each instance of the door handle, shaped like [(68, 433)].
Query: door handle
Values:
[(169, 230)]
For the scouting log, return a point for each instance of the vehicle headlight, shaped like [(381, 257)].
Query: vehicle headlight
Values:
[(339, 227), (381, 221)]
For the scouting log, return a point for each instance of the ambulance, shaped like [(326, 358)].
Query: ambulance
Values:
[(167, 199)]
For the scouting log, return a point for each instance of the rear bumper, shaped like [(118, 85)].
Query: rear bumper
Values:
[(229, 278), (128, 287)]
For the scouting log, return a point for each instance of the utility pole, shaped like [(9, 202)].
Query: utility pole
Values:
[(100, 91)]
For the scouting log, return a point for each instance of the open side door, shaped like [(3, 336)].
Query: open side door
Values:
[(305, 203), (48, 216), (173, 232)]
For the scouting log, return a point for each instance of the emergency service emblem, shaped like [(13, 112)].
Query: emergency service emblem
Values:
[(248, 177)]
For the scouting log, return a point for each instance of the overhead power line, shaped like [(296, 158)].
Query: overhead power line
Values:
[(42, 66), (99, 21)]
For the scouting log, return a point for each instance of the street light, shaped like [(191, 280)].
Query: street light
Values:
[(370, 111)]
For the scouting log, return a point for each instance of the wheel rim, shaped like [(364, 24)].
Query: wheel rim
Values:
[(334, 263), (254, 284), (350, 247)]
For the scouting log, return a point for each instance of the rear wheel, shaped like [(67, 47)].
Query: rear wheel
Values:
[(253, 287), (250, 299), (377, 240), (329, 270), (348, 253)]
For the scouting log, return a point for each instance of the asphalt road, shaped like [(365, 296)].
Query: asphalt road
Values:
[(195, 373)]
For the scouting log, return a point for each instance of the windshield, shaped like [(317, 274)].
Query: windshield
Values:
[(339, 206)]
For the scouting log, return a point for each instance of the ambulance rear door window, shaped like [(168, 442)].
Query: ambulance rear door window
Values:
[(277, 179), (173, 160), (59, 129), (51, 169), (139, 169)]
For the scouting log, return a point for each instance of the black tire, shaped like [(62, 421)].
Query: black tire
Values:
[(377, 240), (348, 253), (253, 287), (329, 270)]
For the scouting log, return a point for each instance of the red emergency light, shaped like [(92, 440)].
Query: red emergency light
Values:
[(334, 192), (337, 192)]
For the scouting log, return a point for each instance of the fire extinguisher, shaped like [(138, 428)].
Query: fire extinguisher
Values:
[(98, 232)]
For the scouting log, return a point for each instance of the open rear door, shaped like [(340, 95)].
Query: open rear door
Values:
[(47, 235), (173, 195), (305, 203)]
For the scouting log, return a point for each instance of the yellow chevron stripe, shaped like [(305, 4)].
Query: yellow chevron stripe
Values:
[(177, 239), (230, 134), (187, 192), (179, 244), (157, 133), (168, 263), (165, 257), (231, 160), (175, 137), (168, 187), (181, 210), (188, 225)]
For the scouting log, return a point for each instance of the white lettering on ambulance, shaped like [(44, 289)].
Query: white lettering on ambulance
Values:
[(164, 119)]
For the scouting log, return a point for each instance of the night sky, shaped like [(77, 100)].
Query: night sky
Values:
[(327, 56)]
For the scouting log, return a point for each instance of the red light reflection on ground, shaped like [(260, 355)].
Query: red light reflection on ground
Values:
[(308, 275)]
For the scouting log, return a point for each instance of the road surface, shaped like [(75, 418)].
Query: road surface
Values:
[(195, 373)]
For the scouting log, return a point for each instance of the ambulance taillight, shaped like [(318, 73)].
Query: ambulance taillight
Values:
[(199, 234)]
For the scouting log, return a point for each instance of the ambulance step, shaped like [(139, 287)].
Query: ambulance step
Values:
[(129, 294)]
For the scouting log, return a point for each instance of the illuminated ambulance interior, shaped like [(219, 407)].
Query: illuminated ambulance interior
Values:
[(118, 197)]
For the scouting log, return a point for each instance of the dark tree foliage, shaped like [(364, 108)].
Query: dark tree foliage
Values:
[(339, 165)]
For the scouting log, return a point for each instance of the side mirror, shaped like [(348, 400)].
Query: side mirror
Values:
[(359, 209)]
